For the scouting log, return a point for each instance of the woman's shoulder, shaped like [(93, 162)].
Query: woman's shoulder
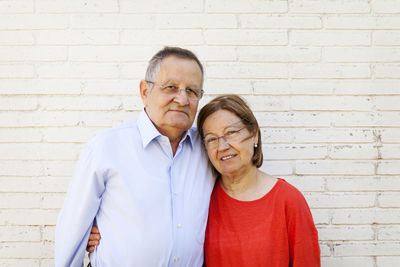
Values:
[(288, 191), (285, 185)]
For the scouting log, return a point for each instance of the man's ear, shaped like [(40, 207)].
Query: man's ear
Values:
[(144, 91)]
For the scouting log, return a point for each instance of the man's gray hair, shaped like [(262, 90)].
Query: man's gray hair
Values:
[(155, 62)]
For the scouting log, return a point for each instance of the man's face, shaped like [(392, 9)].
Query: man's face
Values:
[(172, 114)]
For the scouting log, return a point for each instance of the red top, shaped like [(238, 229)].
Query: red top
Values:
[(275, 230)]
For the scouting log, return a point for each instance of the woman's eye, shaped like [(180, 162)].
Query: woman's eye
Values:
[(211, 140), (229, 133)]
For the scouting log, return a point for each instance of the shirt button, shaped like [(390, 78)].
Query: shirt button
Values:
[(176, 259), (175, 193), (179, 225)]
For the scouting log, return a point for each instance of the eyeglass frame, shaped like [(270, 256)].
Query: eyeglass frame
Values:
[(225, 138), (163, 87)]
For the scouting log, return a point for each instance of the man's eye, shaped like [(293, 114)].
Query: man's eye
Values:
[(190, 91), (170, 87)]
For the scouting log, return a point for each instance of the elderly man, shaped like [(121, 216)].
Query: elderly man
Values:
[(146, 183)]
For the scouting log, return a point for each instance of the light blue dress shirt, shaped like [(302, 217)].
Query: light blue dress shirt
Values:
[(151, 207)]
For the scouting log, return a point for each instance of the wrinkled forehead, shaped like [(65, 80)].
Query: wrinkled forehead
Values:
[(179, 69)]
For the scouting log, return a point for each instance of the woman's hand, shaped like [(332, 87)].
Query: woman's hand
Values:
[(94, 239)]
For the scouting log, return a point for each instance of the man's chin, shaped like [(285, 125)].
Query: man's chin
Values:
[(178, 113), (184, 125)]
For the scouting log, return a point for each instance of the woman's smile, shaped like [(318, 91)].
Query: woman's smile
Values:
[(225, 158)]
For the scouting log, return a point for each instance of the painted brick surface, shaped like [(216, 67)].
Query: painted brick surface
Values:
[(323, 78)]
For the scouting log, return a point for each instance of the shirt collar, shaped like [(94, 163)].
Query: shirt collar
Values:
[(149, 132)]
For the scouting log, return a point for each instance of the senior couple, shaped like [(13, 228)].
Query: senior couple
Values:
[(161, 192)]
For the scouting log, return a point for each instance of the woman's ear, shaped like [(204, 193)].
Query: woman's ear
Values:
[(255, 138)]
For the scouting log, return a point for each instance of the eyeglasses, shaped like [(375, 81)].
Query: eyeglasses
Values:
[(173, 90), (229, 137)]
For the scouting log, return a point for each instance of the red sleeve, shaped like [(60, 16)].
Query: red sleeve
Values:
[(303, 236)]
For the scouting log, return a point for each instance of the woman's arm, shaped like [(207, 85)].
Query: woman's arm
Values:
[(303, 236), (94, 239)]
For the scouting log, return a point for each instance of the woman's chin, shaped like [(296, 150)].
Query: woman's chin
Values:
[(228, 172)]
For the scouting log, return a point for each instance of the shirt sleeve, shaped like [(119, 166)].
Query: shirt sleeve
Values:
[(79, 210), (303, 236)]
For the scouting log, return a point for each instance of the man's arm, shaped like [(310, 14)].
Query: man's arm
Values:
[(79, 210)]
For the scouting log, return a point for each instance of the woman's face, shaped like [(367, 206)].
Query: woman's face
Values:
[(230, 146)]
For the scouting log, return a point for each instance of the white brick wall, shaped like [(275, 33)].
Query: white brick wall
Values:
[(323, 78)]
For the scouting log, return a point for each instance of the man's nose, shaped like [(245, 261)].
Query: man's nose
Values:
[(181, 97)]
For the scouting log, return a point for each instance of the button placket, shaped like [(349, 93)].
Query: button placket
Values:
[(175, 210)]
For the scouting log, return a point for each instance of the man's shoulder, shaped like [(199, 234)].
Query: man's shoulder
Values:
[(115, 133), (194, 132), (195, 136), (120, 128)]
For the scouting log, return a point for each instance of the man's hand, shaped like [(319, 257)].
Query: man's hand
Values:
[(94, 239)]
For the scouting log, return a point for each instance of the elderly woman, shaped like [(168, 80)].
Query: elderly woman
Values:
[(254, 218)]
